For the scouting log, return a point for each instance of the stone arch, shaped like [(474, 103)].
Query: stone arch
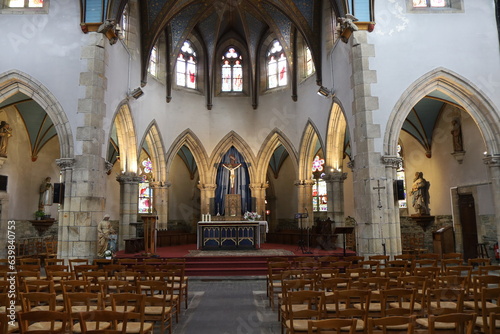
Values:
[(231, 139), (272, 141), (335, 136), (306, 150), (16, 81), (188, 138), (153, 138), (125, 131), (461, 90)]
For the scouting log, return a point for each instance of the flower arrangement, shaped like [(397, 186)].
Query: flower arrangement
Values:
[(251, 215), (108, 253)]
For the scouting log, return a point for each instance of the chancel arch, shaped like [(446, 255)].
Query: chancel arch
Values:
[(437, 157)]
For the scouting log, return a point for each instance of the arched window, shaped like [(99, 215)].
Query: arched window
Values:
[(124, 24), (308, 61), (232, 71), (320, 195), (25, 3), (145, 191), (276, 66), (186, 66), (154, 61)]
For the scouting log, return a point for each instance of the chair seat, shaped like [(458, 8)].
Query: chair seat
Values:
[(374, 307), (450, 305), (91, 326), (135, 327), (333, 307), (395, 327), (424, 322), (156, 310), (3, 309), (120, 308), (480, 322), (406, 306), (13, 328), (83, 308), (44, 325), (47, 308)]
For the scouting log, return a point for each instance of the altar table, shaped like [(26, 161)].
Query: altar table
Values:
[(229, 234)]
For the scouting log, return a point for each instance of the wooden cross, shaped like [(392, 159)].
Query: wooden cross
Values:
[(378, 190)]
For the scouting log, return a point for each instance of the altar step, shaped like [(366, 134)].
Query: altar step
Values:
[(226, 266)]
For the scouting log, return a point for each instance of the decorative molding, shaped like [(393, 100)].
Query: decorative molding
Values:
[(159, 184), (128, 178), (334, 177), (108, 166), (351, 165), (65, 163), (392, 161), (304, 183), (459, 156), (258, 185), (492, 160)]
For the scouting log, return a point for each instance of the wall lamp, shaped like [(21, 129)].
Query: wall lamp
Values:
[(136, 93), (325, 92)]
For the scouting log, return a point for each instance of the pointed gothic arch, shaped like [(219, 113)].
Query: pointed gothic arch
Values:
[(335, 137), (15, 81), (461, 90), (306, 152), (125, 132), (272, 141), (153, 138), (232, 139), (192, 142)]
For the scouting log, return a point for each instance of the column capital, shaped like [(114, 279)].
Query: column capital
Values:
[(351, 165), (159, 184), (304, 182), (65, 163), (334, 176), (492, 160), (258, 185), (128, 178), (207, 186), (392, 161)]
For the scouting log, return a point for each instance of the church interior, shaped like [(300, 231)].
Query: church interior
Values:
[(365, 114)]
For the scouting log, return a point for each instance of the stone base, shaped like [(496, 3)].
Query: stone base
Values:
[(423, 220)]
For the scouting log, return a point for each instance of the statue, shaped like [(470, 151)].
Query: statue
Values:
[(231, 167), (105, 236), (5, 133), (420, 193), (46, 194), (456, 132)]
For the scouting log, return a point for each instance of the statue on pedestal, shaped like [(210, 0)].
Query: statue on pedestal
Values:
[(46, 194), (5, 134), (420, 193), (105, 232)]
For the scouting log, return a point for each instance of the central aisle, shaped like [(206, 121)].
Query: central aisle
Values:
[(227, 305)]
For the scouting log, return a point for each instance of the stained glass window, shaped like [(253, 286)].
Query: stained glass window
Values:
[(319, 192), (232, 71), (308, 62), (25, 3), (145, 192), (153, 61), (124, 23), (186, 66), (277, 75)]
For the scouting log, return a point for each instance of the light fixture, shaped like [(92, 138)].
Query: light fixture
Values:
[(325, 92), (136, 93)]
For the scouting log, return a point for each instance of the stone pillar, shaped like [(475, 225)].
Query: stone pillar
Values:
[(335, 190), (85, 175), (259, 193), (393, 242), (160, 203), (305, 200), (129, 185), (493, 162), (207, 191)]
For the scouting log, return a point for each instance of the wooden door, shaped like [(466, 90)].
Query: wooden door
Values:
[(469, 228)]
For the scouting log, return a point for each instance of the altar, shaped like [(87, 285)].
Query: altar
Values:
[(230, 234)]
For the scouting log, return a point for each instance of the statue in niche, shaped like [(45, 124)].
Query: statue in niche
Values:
[(231, 167), (46, 194), (5, 134), (456, 132), (420, 193), (106, 237)]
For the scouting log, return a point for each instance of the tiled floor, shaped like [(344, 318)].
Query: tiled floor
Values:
[(227, 305)]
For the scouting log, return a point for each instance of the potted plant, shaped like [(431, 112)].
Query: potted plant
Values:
[(39, 215)]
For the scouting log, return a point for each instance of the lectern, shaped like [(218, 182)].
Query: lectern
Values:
[(343, 230), (149, 226)]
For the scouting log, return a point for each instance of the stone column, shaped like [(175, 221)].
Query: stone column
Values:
[(335, 193), (305, 200), (160, 202), (393, 243), (493, 162), (63, 243), (259, 193), (207, 191), (129, 185)]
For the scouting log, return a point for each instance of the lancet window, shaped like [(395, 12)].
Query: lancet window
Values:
[(186, 66), (277, 72), (232, 71)]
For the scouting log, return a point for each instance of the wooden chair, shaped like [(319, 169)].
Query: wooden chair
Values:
[(43, 322), (459, 323), (81, 268), (332, 326), (77, 302), (493, 269), (392, 324), (50, 249), (397, 302), (353, 303), (132, 303), (459, 256), (5, 326), (156, 306), (494, 322), (38, 301), (329, 286), (490, 303), (77, 262), (478, 284), (376, 285), (418, 283), (296, 318), (111, 322), (54, 261), (288, 285), (442, 301), (181, 286), (274, 273)]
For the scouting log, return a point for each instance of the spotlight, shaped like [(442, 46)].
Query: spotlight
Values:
[(325, 92), (136, 93)]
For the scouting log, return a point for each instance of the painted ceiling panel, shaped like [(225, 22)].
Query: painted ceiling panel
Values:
[(154, 8), (181, 21), (283, 23), (306, 7)]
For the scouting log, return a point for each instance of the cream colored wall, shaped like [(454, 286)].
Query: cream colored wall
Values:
[(442, 170), (24, 175), (184, 199), (285, 191)]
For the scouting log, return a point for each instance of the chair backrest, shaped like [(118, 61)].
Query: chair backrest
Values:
[(75, 286), (332, 326), (464, 322), (128, 302), (39, 285), (352, 303), (53, 261), (77, 262), (32, 300), (51, 322), (444, 300), (312, 305), (82, 302), (387, 323), (397, 302), (117, 321)]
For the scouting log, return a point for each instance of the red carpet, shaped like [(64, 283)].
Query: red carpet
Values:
[(233, 262)]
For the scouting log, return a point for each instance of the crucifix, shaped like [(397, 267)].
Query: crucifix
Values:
[(378, 187), (231, 167)]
